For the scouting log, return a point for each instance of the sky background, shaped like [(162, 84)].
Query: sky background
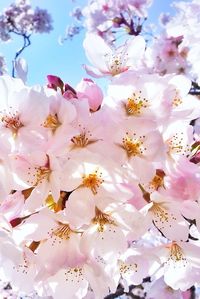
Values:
[(47, 56)]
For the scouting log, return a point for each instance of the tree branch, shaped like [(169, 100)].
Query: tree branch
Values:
[(120, 291), (192, 293)]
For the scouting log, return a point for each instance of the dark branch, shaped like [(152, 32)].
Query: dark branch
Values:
[(195, 89), (120, 291), (192, 293)]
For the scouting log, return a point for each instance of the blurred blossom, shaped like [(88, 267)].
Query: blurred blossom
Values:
[(3, 68), (77, 13), (42, 21), (164, 18), (71, 31)]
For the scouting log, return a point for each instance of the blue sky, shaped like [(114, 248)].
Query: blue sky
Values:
[(46, 56)]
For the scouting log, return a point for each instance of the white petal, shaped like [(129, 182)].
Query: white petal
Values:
[(92, 71), (21, 67), (96, 49), (80, 207), (68, 283), (135, 50)]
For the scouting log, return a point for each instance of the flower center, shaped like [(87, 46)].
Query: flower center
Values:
[(42, 173), (63, 231), (160, 213), (12, 122), (52, 122), (133, 146), (135, 104), (93, 181), (176, 102), (176, 253), (83, 139), (127, 267), (80, 140), (176, 144), (116, 63), (101, 219)]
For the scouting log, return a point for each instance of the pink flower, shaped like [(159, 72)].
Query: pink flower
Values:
[(167, 217), (180, 260)]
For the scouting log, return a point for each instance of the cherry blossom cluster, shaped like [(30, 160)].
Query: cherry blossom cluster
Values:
[(168, 55), (105, 18), (100, 190), (20, 18), (176, 50)]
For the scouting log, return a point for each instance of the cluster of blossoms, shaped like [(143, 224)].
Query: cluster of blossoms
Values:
[(105, 17), (21, 19), (74, 29), (100, 190), (167, 55), (176, 50)]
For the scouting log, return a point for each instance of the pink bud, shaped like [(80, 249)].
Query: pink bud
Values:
[(69, 92), (90, 90), (69, 95), (55, 82)]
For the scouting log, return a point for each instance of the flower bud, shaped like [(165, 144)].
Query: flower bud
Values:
[(90, 90), (55, 82), (69, 92)]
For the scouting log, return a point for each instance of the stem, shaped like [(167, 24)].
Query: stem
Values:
[(194, 92), (195, 89), (134, 26), (27, 43), (129, 26)]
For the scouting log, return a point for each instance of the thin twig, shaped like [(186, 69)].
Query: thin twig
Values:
[(120, 291), (194, 92)]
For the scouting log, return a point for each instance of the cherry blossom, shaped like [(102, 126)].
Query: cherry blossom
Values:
[(108, 61), (100, 190)]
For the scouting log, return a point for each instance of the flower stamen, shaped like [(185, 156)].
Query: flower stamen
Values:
[(101, 219), (12, 122), (92, 181), (52, 122), (133, 146), (135, 104), (63, 231)]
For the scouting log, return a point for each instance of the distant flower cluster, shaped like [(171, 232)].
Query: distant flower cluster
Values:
[(20, 18), (176, 50), (105, 17)]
